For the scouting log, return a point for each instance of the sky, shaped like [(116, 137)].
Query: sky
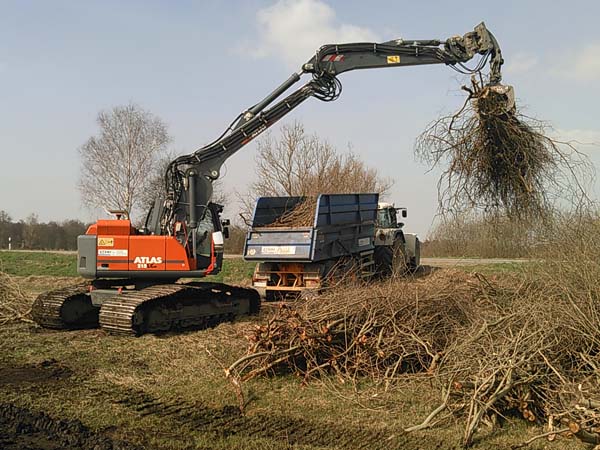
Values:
[(197, 64)]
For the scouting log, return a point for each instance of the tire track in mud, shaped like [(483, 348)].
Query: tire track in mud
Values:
[(21, 428), (228, 421)]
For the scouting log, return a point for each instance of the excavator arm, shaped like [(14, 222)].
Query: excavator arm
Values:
[(455, 51), (189, 178)]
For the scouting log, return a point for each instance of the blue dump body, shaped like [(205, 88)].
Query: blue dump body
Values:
[(344, 224)]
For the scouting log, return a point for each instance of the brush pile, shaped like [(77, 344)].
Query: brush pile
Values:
[(497, 160), (378, 331), (14, 305), (301, 215), (515, 346)]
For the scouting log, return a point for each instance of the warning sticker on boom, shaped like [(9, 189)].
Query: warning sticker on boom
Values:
[(393, 59)]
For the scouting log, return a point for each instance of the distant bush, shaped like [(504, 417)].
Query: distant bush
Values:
[(31, 234), (482, 238)]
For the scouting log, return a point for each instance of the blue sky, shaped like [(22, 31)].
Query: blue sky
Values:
[(198, 64)]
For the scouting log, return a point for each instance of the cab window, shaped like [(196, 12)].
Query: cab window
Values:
[(386, 218)]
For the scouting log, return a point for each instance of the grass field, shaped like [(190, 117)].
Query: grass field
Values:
[(26, 263), (170, 391)]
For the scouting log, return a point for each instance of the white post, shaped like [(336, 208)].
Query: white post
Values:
[(10, 243)]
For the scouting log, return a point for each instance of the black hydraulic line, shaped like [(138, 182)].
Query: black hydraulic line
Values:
[(325, 65), (273, 95), (221, 150), (193, 223)]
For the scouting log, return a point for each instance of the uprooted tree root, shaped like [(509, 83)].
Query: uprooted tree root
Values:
[(14, 305), (499, 161)]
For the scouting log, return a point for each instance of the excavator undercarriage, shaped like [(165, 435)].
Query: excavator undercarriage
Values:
[(153, 309)]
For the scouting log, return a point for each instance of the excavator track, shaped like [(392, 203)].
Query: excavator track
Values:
[(65, 308), (162, 308)]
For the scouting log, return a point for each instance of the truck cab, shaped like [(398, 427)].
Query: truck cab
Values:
[(395, 250)]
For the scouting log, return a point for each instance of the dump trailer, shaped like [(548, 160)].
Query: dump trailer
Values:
[(337, 237)]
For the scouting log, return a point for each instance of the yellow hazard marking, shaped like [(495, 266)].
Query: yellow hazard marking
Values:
[(394, 59), (106, 242)]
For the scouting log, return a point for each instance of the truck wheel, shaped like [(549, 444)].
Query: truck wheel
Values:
[(400, 263), (384, 260), (415, 261)]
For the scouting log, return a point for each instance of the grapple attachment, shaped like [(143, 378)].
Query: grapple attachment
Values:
[(495, 99)]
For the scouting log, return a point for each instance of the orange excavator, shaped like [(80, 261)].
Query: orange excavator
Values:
[(135, 274)]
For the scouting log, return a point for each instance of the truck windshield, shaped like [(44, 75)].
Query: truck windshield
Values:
[(386, 218)]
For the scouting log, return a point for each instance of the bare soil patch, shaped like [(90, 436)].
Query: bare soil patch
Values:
[(44, 372), (23, 429)]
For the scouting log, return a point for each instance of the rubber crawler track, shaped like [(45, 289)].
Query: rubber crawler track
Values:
[(128, 313), (49, 307), (153, 309)]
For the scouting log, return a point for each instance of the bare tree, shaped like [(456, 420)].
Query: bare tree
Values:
[(300, 164), (117, 164)]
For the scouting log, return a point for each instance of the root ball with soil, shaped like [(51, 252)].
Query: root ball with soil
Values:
[(500, 161)]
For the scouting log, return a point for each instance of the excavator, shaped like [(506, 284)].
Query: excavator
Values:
[(137, 276)]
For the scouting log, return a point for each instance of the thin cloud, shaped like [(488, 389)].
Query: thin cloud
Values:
[(584, 66), (293, 30), (587, 63), (521, 63)]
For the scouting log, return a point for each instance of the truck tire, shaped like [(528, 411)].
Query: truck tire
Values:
[(384, 260), (415, 261)]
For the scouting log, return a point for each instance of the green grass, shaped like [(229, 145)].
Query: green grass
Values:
[(25, 263), (170, 392), (235, 270)]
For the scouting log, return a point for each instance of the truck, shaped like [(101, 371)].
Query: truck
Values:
[(345, 234)]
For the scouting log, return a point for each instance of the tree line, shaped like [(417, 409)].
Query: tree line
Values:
[(123, 167), (31, 234)]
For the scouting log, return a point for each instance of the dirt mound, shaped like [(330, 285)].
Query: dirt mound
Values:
[(22, 429)]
